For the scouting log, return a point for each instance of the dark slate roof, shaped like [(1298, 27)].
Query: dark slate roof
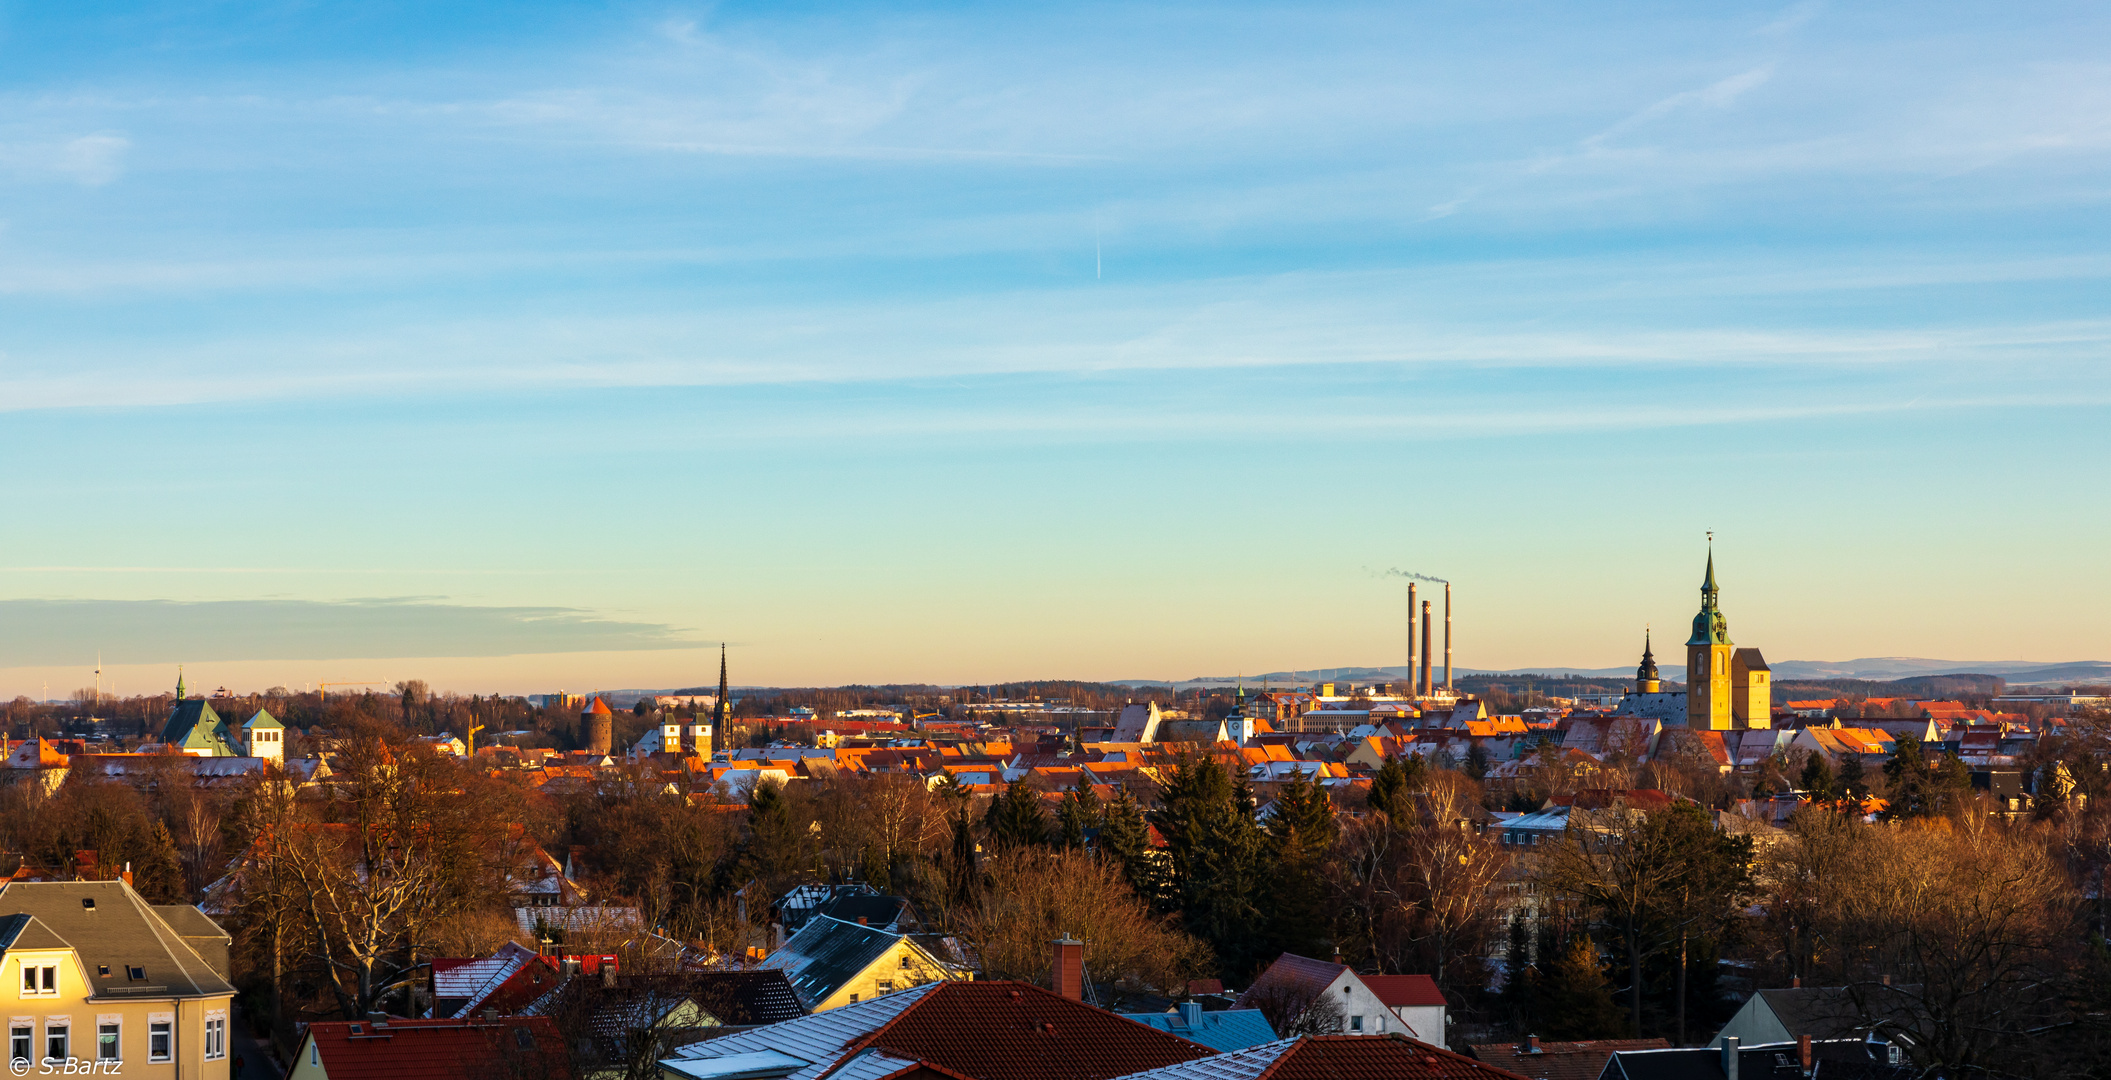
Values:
[(25, 932), (189, 922), (825, 954), (1832, 1012), (1560, 1060), (894, 913), (1841, 1059), (120, 930), (741, 998), (1752, 660)]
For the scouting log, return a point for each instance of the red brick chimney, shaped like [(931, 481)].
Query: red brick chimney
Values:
[(1068, 971), (1803, 1053)]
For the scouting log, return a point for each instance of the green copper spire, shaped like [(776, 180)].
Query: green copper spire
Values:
[(179, 682), (1709, 627)]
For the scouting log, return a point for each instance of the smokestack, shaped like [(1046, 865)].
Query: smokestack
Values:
[(1425, 648), (1447, 636), (1068, 970), (1410, 637)]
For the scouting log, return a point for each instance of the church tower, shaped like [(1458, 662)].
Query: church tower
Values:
[(1708, 655), (1646, 680)]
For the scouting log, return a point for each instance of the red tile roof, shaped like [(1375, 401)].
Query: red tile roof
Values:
[(440, 1049), (1018, 1031), (1398, 991)]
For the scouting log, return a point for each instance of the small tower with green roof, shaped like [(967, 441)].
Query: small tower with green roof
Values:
[(264, 737)]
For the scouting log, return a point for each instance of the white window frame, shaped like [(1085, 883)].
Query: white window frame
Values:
[(115, 1022), (215, 1035), (25, 1029), (31, 976), (59, 1027), (164, 1025)]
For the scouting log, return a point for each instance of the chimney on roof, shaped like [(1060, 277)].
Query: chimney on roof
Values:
[(127, 875), (1532, 1041), (1191, 1014), (1803, 1053), (1067, 972), (1795, 982), (1729, 1057)]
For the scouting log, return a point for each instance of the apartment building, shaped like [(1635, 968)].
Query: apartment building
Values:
[(97, 978)]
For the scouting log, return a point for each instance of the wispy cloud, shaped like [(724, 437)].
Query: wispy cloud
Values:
[(62, 631)]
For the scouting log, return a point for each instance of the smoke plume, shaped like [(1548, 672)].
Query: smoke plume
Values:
[(1412, 576)]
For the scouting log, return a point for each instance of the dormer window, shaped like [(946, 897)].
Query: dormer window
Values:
[(102, 971), (135, 973)]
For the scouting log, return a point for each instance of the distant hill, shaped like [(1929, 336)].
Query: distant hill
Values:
[(1871, 669)]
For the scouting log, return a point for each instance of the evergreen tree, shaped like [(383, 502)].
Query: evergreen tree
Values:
[(1393, 788), (773, 839), (1916, 788), (1300, 832), (1851, 782), (1125, 837), (1521, 980), (1079, 814), (1578, 999), (1214, 848), (1016, 818), (1477, 762), (1817, 777)]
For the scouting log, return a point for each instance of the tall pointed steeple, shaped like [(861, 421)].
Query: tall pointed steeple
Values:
[(1646, 678), (718, 711), (179, 682)]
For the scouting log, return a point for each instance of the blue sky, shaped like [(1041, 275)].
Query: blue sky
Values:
[(520, 346)]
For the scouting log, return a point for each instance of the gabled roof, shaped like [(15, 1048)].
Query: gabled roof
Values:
[(1334, 1057), (1292, 977), (118, 931), (1403, 991), (745, 998), (1560, 1060), (828, 952), (980, 1030), (25, 932), (193, 725), (440, 1049)]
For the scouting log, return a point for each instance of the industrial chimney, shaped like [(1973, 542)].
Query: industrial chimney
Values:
[(1425, 648), (1068, 971), (1410, 637), (1447, 637)]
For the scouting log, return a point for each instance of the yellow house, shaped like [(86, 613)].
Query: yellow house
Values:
[(99, 979), (831, 962)]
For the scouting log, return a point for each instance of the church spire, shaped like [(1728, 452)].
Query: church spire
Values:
[(718, 711), (179, 682), (1646, 678)]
